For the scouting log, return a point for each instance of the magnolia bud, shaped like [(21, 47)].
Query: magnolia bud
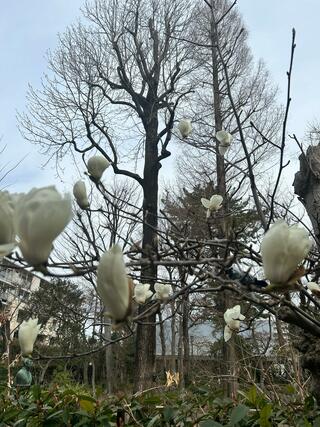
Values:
[(314, 288), (39, 217), (7, 232), (28, 332), (80, 194), (222, 149), (225, 139), (96, 166), (283, 248), (142, 292), (185, 128), (162, 291), (232, 317), (113, 284)]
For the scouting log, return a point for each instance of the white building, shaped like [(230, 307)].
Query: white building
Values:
[(16, 285)]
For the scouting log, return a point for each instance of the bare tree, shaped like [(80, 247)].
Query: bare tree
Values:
[(225, 62), (114, 86)]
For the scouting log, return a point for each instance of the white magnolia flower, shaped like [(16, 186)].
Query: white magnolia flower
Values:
[(96, 166), (227, 334), (314, 288), (142, 292), (213, 204), (162, 291), (27, 335), (39, 217), (283, 248), (222, 149), (7, 231), (185, 128), (225, 139), (232, 317), (113, 284), (80, 194)]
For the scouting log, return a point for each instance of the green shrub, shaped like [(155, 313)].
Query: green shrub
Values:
[(65, 405)]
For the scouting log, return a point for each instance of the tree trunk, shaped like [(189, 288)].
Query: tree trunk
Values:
[(228, 350), (173, 337), (85, 372), (108, 357), (185, 338), (180, 355), (307, 187), (146, 330), (7, 328), (44, 371), (233, 369), (93, 378), (163, 342), (281, 339), (309, 347), (220, 169)]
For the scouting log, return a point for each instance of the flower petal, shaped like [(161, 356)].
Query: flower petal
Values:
[(227, 333), (205, 202)]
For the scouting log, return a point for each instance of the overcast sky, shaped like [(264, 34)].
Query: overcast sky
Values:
[(29, 29)]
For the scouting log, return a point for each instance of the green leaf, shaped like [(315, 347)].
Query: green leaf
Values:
[(86, 397), (152, 400), (82, 413), (154, 420), (19, 423), (87, 405), (309, 404), (55, 414), (265, 413), (36, 391), (104, 419), (10, 414), (238, 413), (316, 422), (252, 395), (168, 413), (210, 423), (81, 423), (201, 390), (290, 389)]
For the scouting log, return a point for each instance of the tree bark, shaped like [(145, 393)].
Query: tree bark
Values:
[(220, 169), (7, 346), (228, 350), (146, 330), (180, 355), (44, 371), (185, 339), (108, 357), (307, 187), (173, 337), (233, 369), (93, 378), (85, 372), (281, 339), (309, 347), (162, 341)]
